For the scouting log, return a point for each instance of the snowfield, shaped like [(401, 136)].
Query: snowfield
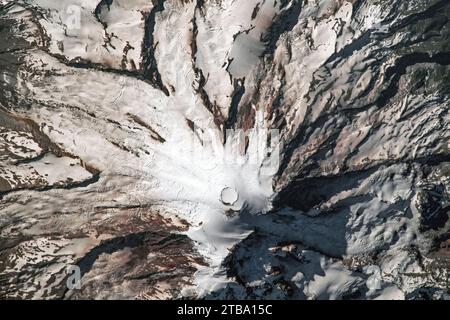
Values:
[(226, 149)]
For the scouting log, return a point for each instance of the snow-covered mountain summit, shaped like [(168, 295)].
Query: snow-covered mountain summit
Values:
[(287, 149)]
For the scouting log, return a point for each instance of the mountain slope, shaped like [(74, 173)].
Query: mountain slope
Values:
[(225, 149)]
